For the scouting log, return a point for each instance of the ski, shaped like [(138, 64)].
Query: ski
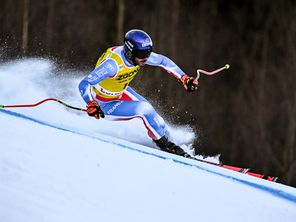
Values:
[(238, 169), (269, 178)]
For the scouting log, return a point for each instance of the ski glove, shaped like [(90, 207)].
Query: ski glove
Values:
[(189, 83), (93, 109)]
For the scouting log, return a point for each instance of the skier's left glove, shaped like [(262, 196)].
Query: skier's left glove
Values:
[(189, 83), (93, 109)]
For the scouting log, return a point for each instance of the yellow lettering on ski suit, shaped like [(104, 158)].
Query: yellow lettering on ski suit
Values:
[(112, 88)]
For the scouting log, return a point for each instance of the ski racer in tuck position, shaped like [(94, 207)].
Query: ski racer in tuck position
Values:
[(107, 92)]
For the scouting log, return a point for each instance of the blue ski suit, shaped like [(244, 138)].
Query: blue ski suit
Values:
[(108, 84)]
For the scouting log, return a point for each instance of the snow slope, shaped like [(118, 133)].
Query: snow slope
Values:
[(61, 165)]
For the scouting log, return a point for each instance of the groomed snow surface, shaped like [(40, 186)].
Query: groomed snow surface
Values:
[(60, 165)]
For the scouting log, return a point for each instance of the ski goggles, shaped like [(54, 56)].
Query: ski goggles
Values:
[(142, 54)]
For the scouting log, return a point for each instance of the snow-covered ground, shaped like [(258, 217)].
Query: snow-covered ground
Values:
[(61, 165)]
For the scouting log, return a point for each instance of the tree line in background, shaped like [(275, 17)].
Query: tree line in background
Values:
[(248, 114)]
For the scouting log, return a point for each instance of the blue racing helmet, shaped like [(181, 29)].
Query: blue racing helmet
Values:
[(137, 43)]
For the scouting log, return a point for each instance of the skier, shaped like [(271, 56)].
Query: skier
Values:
[(107, 93)]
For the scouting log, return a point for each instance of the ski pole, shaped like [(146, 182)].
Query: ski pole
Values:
[(40, 102), (198, 71)]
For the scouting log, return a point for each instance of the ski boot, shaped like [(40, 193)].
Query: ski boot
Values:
[(165, 145)]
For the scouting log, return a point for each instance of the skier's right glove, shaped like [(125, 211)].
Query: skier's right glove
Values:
[(189, 83), (93, 109)]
